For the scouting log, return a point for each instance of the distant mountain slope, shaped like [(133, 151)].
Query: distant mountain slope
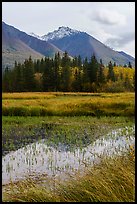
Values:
[(126, 55), (17, 45), (14, 49), (80, 43)]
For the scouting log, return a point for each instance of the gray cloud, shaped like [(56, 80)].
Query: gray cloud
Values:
[(121, 40), (109, 17)]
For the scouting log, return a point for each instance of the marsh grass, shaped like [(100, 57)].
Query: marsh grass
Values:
[(68, 104), (112, 180), (71, 131)]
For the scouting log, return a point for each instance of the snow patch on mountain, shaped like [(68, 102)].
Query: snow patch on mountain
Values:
[(35, 35), (60, 33)]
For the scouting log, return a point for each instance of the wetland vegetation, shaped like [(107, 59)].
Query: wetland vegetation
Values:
[(113, 180), (68, 104), (74, 128)]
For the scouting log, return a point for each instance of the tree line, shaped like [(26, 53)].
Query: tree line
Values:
[(59, 74)]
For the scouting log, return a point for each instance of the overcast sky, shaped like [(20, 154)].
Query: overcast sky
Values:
[(112, 23)]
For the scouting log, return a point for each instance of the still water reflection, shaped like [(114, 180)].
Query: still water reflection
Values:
[(38, 158)]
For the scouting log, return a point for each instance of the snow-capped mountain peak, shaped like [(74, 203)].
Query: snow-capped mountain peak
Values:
[(60, 33), (35, 35)]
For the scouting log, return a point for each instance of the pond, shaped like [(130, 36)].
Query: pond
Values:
[(39, 158)]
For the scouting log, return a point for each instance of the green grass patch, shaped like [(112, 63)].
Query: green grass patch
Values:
[(76, 131)]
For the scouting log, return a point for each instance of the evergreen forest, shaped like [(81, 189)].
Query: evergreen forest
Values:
[(67, 74)]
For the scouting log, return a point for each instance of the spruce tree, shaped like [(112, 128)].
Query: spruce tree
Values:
[(6, 80), (85, 71), (77, 83), (29, 78), (56, 80), (93, 68), (75, 62), (18, 78), (129, 65), (65, 72), (79, 62), (48, 77), (100, 75), (111, 74), (114, 64)]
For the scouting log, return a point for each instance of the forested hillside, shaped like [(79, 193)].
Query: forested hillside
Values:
[(66, 74)]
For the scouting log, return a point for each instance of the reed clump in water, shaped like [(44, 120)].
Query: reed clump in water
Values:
[(112, 180)]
